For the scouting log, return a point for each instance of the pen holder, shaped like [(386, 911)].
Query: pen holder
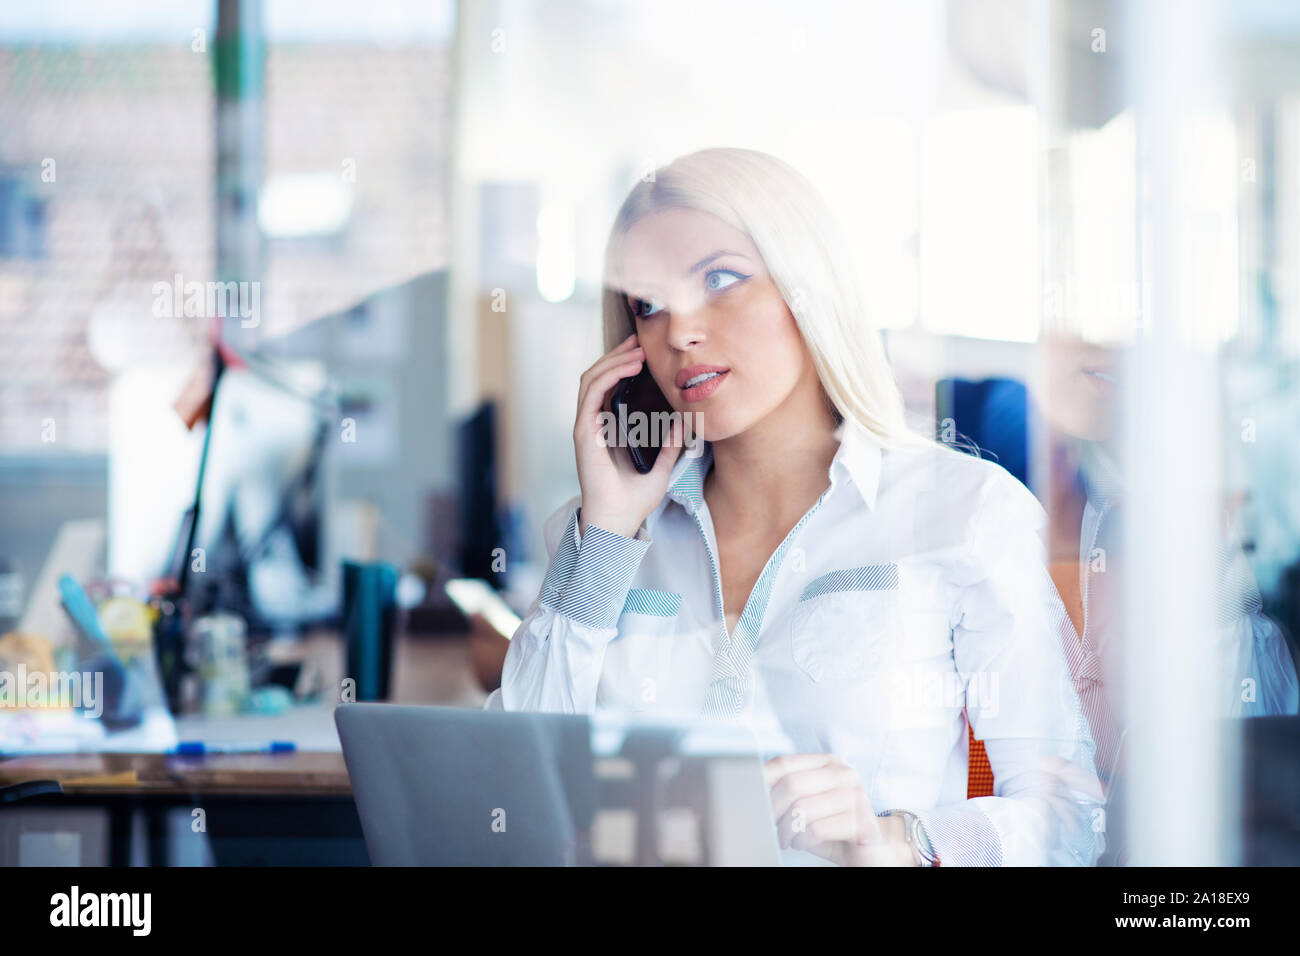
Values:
[(369, 621), (122, 708)]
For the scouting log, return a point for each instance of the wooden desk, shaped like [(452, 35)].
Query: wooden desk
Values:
[(296, 774), (293, 808), (260, 808)]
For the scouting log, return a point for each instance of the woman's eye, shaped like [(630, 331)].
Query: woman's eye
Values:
[(644, 308), (719, 279)]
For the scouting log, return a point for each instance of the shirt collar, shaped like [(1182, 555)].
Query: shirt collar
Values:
[(858, 459)]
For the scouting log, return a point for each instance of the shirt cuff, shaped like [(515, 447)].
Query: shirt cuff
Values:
[(601, 566), (961, 835), (562, 564)]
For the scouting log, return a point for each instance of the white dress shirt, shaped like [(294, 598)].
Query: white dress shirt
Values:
[(912, 596)]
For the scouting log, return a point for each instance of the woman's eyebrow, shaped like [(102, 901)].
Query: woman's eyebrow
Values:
[(714, 255)]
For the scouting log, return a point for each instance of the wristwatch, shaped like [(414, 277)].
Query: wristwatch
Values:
[(914, 833)]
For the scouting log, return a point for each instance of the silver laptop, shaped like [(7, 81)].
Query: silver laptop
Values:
[(454, 786)]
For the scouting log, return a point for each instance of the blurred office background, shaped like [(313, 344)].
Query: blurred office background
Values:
[(1098, 201)]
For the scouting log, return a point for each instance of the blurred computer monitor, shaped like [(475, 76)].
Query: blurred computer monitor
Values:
[(260, 547)]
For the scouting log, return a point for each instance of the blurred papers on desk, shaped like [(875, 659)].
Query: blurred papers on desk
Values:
[(56, 730)]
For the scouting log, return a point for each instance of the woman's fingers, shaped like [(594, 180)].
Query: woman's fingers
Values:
[(869, 830), (600, 373), (670, 450), (778, 767), (811, 780), (834, 828), (617, 355), (806, 818), (820, 805), (591, 400)]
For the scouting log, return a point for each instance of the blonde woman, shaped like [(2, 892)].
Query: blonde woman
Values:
[(807, 560)]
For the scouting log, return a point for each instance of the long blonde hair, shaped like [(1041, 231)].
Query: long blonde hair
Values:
[(807, 257)]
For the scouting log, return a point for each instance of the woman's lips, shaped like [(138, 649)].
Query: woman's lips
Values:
[(698, 393)]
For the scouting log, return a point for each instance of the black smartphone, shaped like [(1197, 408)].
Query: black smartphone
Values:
[(639, 395)]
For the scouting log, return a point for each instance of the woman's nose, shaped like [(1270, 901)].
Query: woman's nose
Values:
[(686, 327)]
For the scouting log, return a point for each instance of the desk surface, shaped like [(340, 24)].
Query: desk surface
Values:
[(297, 774), (425, 670)]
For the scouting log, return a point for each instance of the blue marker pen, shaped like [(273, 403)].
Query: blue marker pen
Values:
[(197, 748)]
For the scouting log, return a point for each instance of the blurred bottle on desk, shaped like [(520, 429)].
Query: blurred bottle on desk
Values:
[(369, 625), (221, 643)]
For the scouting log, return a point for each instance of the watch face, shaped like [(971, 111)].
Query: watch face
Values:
[(914, 832)]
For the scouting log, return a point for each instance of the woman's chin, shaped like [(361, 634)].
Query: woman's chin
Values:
[(713, 428)]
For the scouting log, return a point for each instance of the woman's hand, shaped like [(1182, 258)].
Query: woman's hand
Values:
[(615, 496), (820, 806)]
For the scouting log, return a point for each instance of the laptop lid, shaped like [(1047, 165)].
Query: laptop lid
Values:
[(452, 786)]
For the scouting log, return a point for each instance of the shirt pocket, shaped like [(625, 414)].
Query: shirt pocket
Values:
[(639, 660), (845, 625)]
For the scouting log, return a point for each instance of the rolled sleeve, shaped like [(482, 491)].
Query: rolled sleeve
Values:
[(555, 658), (961, 835), (603, 566), (1037, 739), (562, 563)]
